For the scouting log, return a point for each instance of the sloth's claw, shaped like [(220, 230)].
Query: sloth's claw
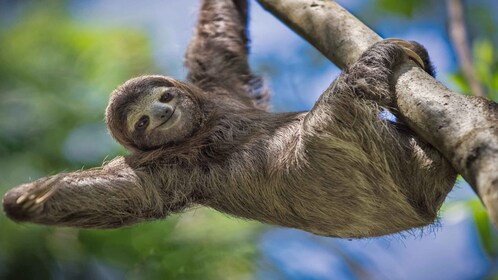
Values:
[(32, 200), (28, 203), (407, 47), (22, 198), (415, 57)]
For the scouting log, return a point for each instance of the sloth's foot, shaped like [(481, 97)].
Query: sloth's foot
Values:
[(410, 49)]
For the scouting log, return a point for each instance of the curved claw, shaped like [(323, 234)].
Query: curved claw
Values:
[(25, 201), (409, 52)]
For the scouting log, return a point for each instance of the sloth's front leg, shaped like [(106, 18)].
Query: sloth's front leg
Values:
[(371, 76), (112, 196)]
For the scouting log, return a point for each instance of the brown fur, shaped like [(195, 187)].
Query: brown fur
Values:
[(338, 170)]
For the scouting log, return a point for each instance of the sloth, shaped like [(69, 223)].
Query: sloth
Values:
[(338, 170)]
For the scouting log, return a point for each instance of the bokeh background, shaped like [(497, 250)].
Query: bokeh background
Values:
[(59, 60)]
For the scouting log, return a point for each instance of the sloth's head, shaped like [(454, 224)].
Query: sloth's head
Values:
[(149, 112)]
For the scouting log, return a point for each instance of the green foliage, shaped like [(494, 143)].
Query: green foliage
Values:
[(172, 249), (55, 79), (404, 8), (486, 66), (460, 82), (56, 75), (177, 249), (484, 227)]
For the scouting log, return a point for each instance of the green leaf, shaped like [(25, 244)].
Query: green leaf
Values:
[(404, 8), (460, 82), (483, 51), (493, 93), (484, 227)]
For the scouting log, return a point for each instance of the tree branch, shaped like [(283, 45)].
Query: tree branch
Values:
[(464, 129), (458, 35)]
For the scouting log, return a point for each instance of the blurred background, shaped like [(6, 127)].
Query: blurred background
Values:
[(59, 61)]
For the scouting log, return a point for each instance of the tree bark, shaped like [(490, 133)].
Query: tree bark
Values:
[(464, 129)]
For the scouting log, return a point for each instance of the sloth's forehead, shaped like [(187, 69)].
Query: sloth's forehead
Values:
[(146, 97)]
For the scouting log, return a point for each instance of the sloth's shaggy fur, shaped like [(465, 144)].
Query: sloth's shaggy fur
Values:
[(338, 170)]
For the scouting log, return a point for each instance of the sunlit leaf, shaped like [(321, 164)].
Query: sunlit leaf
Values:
[(483, 51), (405, 8), (460, 82)]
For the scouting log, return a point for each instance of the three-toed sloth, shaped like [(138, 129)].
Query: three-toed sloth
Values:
[(337, 170)]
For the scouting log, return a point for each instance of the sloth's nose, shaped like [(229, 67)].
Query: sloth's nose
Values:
[(161, 111)]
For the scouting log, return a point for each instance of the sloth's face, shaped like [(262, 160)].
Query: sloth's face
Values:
[(163, 115)]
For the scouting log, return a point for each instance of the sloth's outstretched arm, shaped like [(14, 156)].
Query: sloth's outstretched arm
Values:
[(112, 196), (218, 50), (217, 55)]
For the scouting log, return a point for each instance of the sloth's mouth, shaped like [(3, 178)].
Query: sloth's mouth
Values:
[(167, 120)]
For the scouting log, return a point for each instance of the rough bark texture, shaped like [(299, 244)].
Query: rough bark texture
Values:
[(464, 129)]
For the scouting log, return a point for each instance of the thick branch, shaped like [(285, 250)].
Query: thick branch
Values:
[(458, 35), (464, 129)]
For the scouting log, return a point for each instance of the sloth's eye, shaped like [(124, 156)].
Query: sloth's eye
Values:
[(166, 97), (142, 123)]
